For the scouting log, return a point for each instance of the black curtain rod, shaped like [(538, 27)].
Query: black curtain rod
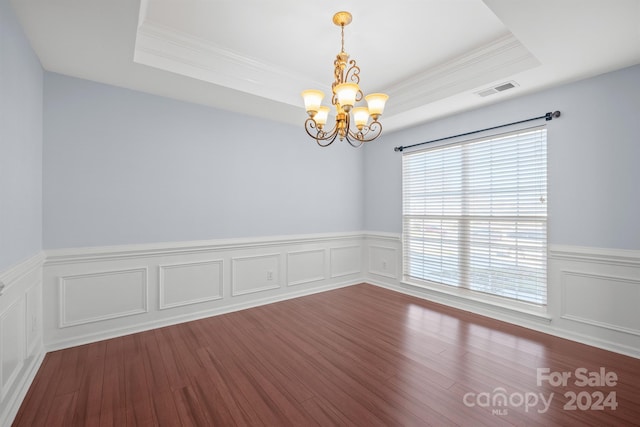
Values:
[(547, 117)]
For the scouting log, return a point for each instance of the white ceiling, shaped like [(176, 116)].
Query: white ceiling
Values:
[(255, 57)]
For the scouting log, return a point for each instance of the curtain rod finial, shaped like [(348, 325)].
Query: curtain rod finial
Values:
[(551, 116)]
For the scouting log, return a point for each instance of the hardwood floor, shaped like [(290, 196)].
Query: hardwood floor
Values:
[(360, 355)]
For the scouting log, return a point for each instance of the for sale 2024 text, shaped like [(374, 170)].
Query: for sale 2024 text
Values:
[(582, 377)]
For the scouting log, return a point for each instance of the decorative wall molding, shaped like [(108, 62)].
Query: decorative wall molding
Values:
[(128, 252), (383, 261), (12, 345), (576, 310), (98, 296), (33, 327), (377, 236), (189, 315), (255, 273), (306, 266), (594, 294), (309, 262), (345, 260), (609, 256), (34, 301), (14, 274), (383, 255), (11, 403), (224, 275), (21, 333), (617, 297), (199, 286)]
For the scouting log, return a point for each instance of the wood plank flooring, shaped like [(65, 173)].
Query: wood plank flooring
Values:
[(360, 355)]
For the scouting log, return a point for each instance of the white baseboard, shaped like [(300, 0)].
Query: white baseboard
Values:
[(11, 405)]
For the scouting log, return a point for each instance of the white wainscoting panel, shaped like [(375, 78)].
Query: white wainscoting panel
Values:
[(91, 294), (305, 266), (605, 301), (383, 252), (190, 283), (346, 261), (593, 293), (383, 261), (94, 297), (21, 343), (12, 344), (255, 273), (69, 297), (229, 275), (33, 297)]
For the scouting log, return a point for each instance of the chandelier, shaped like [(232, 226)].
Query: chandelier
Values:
[(345, 92)]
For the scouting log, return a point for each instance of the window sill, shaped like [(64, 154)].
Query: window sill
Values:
[(479, 302)]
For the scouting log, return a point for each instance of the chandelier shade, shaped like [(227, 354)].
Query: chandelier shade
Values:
[(355, 124), (321, 116), (347, 93), (312, 99), (376, 102), (360, 116)]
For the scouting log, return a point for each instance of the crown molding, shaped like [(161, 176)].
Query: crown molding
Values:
[(499, 59), (166, 48), (169, 49)]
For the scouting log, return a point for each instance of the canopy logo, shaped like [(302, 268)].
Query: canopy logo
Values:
[(499, 400)]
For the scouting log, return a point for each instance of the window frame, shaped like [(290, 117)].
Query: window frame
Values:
[(465, 291)]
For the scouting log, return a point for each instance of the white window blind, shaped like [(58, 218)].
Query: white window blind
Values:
[(475, 215)]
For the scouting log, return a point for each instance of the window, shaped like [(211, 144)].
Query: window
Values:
[(475, 215)]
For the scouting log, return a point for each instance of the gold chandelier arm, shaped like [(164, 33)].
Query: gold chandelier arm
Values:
[(350, 135), (367, 134), (354, 144), (353, 73), (324, 139), (343, 75)]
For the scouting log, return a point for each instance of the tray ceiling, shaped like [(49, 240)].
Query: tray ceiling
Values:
[(255, 57)]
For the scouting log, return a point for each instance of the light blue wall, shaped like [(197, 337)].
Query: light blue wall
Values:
[(20, 143), (593, 159), (124, 167)]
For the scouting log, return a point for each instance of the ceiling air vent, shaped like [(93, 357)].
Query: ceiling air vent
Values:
[(499, 88)]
